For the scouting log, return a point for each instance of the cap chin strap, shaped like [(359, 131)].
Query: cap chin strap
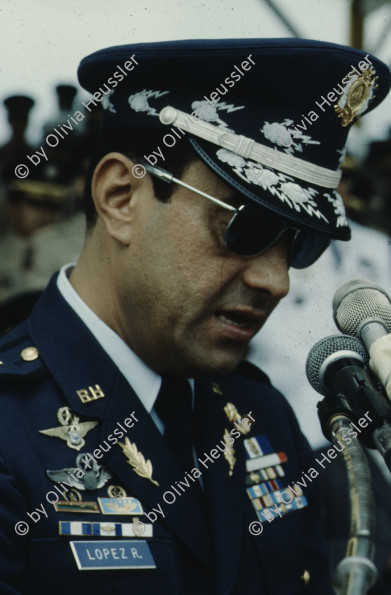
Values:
[(249, 149)]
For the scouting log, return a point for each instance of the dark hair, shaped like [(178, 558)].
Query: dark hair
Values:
[(136, 143)]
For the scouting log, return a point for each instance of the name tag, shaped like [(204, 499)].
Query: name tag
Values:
[(112, 555)]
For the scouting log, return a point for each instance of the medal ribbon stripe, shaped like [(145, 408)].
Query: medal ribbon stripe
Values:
[(296, 504), (257, 446), (263, 484), (265, 461), (103, 529)]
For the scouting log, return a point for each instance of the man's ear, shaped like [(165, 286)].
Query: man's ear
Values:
[(113, 187)]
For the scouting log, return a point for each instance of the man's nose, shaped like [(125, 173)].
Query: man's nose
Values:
[(268, 271)]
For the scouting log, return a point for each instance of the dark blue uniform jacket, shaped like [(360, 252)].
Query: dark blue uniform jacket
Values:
[(195, 551)]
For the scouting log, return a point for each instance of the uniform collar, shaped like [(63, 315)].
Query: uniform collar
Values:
[(144, 381)]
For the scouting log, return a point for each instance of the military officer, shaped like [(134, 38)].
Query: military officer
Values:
[(139, 451), (18, 108), (39, 240)]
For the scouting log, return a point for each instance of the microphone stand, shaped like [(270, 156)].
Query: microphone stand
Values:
[(356, 573), (334, 369), (357, 393)]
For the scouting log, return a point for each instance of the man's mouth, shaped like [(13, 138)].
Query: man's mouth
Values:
[(235, 319), (245, 320)]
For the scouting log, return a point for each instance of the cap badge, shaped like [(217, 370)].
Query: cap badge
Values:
[(356, 96)]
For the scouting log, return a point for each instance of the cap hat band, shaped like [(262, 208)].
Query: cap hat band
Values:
[(277, 148), (249, 149)]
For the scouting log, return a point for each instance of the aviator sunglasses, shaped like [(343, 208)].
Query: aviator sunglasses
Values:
[(249, 233)]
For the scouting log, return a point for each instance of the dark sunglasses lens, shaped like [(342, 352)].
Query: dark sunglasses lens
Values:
[(306, 248), (252, 230)]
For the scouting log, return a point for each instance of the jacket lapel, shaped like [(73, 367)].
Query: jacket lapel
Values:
[(71, 353), (225, 493), (78, 363), (180, 508)]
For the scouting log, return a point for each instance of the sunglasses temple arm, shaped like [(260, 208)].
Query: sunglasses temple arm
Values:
[(167, 177), (158, 172)]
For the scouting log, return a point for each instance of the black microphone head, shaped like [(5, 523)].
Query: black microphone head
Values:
[(330, 349), (359, 301)]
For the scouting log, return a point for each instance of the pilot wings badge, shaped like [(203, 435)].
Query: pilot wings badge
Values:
[(71, 430), (82, 477)]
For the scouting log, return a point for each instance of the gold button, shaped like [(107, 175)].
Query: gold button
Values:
[(305, 577), (29, 354)]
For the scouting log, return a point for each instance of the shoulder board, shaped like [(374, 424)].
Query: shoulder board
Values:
[(18, 355)]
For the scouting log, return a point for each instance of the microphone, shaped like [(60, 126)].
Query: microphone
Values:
[(329, 355), (336, 368), (362, 309), (380, 362)]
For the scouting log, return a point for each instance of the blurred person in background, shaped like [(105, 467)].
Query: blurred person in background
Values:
[(65, 99), (377, 167), (39, 241), (16, 148)]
